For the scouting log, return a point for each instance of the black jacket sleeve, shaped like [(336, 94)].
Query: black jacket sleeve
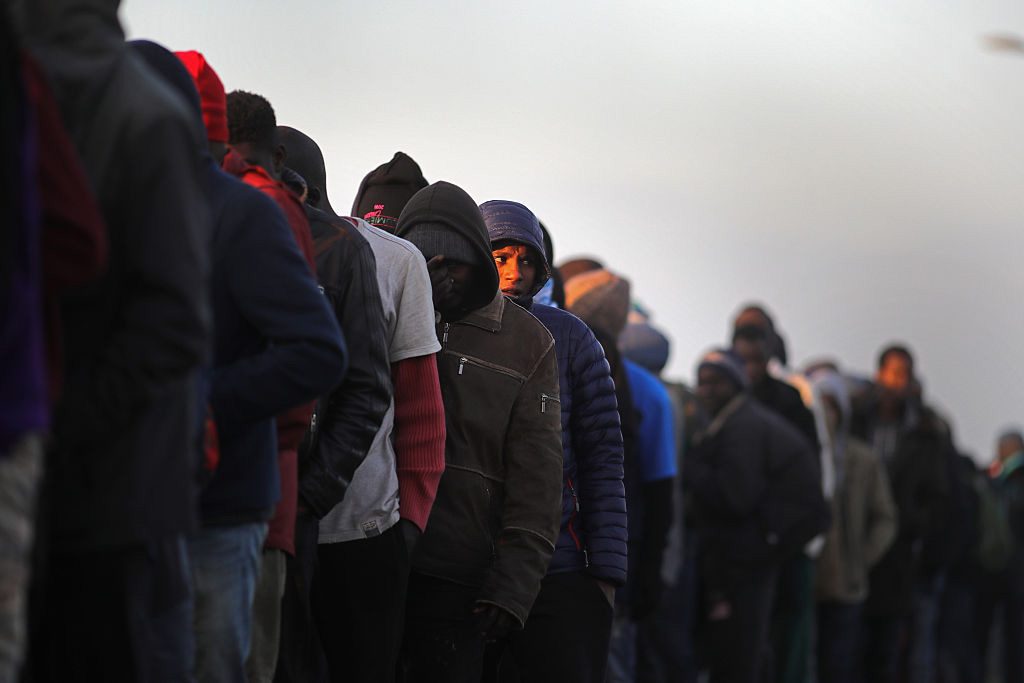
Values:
[(348, 418)]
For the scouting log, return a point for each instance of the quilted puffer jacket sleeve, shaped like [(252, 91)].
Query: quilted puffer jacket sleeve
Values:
[(597, 448)]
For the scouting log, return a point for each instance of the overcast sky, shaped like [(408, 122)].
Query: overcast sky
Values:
[(854, 164)]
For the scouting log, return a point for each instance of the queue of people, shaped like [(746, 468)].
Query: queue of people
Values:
[(244, 437)]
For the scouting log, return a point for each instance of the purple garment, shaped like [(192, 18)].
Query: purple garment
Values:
[(24, 403)]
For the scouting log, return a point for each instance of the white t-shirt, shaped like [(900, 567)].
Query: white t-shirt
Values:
[(370, 506)]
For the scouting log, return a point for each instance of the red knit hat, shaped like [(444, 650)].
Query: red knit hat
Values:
[(211, 94)]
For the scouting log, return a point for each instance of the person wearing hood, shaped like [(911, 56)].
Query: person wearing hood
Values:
[(602, 300), (755, 499), (120, 492), (370, 535), (863, 528), (479, 565), (276, 346), (386, 190), (566, 636)]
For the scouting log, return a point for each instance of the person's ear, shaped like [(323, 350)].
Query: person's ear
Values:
[(280, 156), (313, 197)]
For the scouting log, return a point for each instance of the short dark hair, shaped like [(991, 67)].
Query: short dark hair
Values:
[(896, 350), (251, 119), (754, 334)]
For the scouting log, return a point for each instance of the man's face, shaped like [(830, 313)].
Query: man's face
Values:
[(451, 281), (714, 389), (755, 359), (517, 270), (895, 375)]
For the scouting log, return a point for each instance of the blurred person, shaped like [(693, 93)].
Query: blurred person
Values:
[(567, 633), (1003, 591), (276, 346), (666, 647), (906, 585), (369, 537), (756, 500), (755, 315), (793, 612), (120, 494), (385, 191), (974, 561), (53, 243), (479, 566), (864, 526), (601, 299)]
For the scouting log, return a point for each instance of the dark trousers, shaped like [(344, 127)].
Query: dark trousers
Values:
[(442, 642), (883, 642), (738, 605), (301, 657), (958, 652), (792, 618), (116, 615), (359, 606), (839, 630), (1011, 604), (565, 639)]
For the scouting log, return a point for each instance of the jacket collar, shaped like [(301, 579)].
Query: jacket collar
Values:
[(487, 317)]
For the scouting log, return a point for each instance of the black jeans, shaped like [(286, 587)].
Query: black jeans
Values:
[(359, 606), (442, 642), (565, 639), (999, 598), (301, 657)]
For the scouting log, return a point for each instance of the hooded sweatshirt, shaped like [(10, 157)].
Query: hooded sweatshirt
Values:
[(121, 471), (496, 516), (863, 511), (386, 190), (593, 531)]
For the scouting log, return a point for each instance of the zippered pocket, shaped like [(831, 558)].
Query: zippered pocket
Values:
[(570, 527), (544, 398)]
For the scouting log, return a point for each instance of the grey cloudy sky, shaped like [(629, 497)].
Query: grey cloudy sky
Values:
[(854, 164)]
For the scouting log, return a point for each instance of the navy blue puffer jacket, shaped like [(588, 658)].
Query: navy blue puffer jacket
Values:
[(593, 533)]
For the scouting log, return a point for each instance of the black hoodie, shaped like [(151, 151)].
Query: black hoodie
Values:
[(450, 205)]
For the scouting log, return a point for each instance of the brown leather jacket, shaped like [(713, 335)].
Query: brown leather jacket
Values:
[(498, 508)]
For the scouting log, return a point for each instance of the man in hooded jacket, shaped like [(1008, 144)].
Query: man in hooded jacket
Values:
[(488, 543), (566, 637)]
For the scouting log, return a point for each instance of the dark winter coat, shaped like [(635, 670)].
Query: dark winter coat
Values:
[(498, 507), (277, 345), (927, 492), (122, 468), (744, 474), (593, 533)]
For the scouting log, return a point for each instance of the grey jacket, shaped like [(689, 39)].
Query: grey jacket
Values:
[(863, 527)]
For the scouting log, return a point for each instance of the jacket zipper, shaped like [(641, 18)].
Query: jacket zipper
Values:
[(462, 364), (544, 398), (572, 518), (444, 337)]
